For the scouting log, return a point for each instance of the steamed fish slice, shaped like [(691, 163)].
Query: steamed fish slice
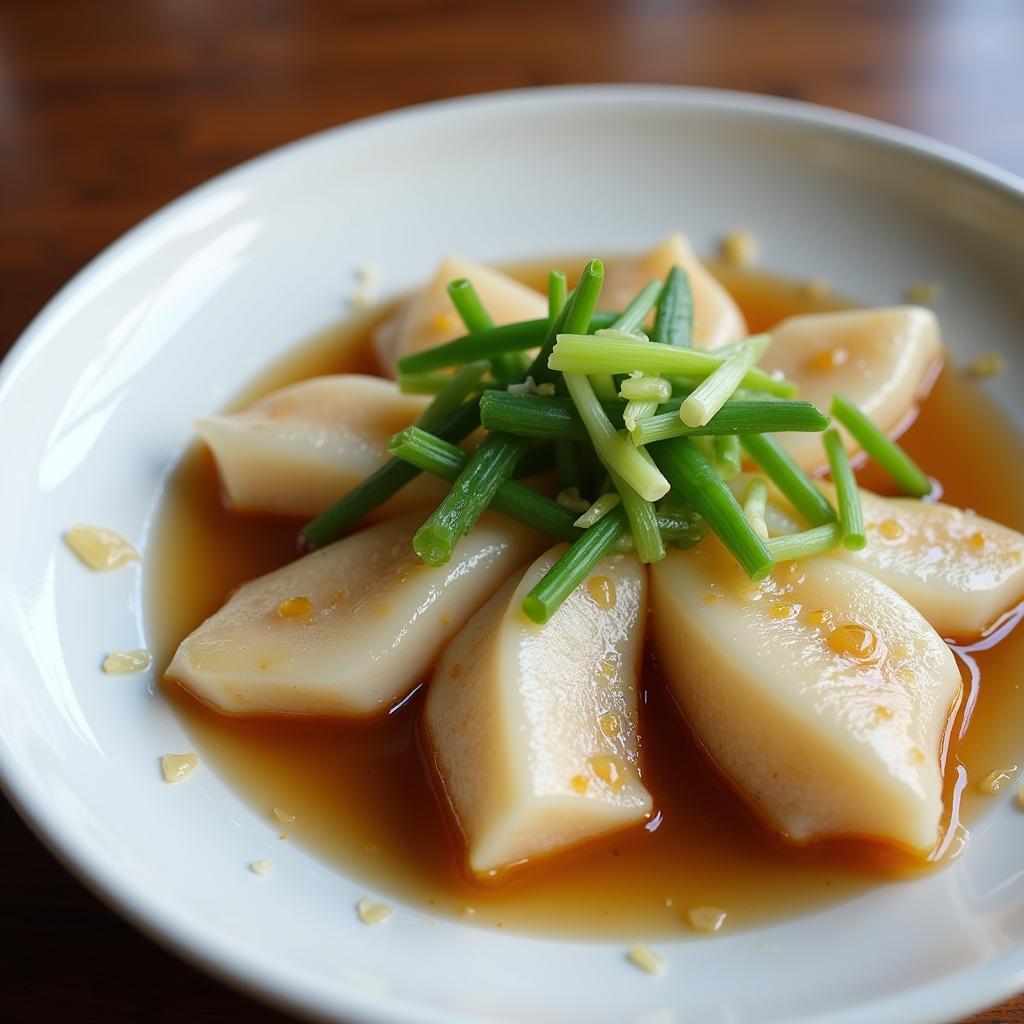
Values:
[(717, 319), (960, 570), (880, 359), (821, 693), (428, 318), (301, 448), (348, 629), (534, 728)]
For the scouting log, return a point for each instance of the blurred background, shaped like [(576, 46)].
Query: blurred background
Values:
[(110, 108)]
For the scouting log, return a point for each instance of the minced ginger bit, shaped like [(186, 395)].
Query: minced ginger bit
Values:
[(997, 779), (988, 364), (100, 549), (176, 767), (124, 663), (371, 913), (739, 248), (923, 291), (294, 607), (531, 387), (646, 959), (1019, 798), (706, 919), (602, 591), (260, 867), (283, 815)]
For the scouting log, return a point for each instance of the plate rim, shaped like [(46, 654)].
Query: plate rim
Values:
[(956, 995)]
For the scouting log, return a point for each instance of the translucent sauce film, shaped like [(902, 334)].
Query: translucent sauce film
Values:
[(363, 796)]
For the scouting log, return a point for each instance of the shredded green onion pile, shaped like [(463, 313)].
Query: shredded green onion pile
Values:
[(642, 431)]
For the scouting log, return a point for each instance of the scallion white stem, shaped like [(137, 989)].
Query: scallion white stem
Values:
[(613, 449), (715, 390)]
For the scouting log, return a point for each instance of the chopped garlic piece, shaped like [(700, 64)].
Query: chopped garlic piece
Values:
[(739, 248), (570, 498), (123, 663), (997, 779), (988, 364), (923, 291), (260, 867), (706, 919), (646, 959), (531, 387), (100, 549), (1020, 798), (178, 766), (371, 913), (283, 815)]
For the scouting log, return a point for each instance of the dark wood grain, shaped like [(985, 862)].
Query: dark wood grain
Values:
[(110, 109)]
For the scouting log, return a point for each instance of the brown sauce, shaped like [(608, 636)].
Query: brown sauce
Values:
[(363, 797)]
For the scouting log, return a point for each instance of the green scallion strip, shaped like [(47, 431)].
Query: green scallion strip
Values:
[(485, 344), (695, 484), (496, 456), (538, 459), (460, 386), (557, 294), (737, 416), (568, 464), (600, 508), (645, 389), (637, 410), (816, 541), (423, 383), (636, 312), (794, 483), (574, 566), (630, 320), (613, 449), (726, 457), (507, 366), (574, 353), (673, 323), (755, 505), (577, 315), (488, 468), (883, 450), (715, 390), (383, 483), (681, 527), (643, 521), (426, 452), (539, 416), (851, 515)]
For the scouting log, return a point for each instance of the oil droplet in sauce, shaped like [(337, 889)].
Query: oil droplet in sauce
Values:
[(854, 641), (392, 831), (294, 607), (602, 590)]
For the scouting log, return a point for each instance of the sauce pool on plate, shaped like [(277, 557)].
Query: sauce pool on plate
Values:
[(363, 796)]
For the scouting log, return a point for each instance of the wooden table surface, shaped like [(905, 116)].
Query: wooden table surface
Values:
[(110, 109)]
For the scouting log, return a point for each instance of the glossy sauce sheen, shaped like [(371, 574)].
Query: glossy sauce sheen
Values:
[(364, 797)]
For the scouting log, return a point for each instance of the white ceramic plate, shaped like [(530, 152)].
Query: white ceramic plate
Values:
[(95, 405)]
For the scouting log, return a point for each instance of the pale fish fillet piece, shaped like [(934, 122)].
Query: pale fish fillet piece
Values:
[(350, 629), (534, 728), (717, 319), (820, 693), (880, 359), (960, 570), (428, 318), (300, 449)]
